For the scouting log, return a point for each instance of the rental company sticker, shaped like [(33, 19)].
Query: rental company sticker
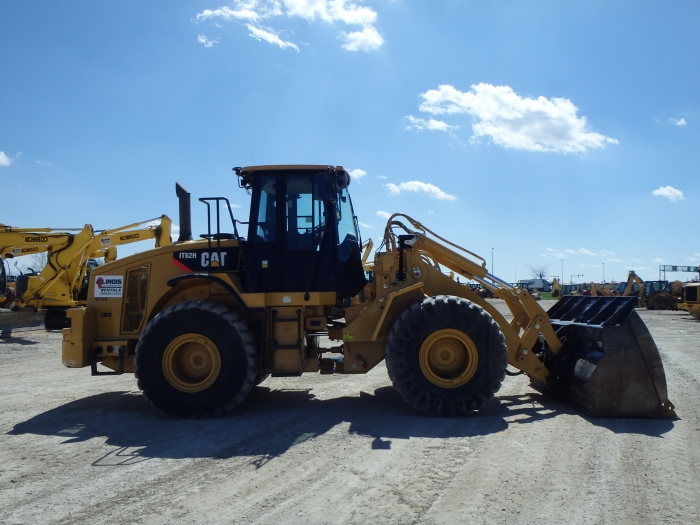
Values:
[(109, 285)]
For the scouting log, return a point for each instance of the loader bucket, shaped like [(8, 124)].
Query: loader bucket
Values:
[(608, 365)]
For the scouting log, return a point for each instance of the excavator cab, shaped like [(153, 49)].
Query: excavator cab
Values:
[(302, 232)]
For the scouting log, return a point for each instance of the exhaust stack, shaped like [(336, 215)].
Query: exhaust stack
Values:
[(185, 213)]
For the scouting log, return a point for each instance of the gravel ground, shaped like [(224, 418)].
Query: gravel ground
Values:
[(339, 449)]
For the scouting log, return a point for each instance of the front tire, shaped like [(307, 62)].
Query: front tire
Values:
[(196, 359), (446, 356)]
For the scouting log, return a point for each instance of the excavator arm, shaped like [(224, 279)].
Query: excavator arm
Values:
[(60, 282), (632, 279)]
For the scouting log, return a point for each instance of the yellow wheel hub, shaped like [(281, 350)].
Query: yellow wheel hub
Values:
[(448, 358), (191, 363)]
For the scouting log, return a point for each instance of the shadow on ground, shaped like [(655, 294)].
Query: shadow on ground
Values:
[(270, 422), (17, 340)]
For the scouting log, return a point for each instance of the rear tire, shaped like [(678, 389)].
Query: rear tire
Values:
[(196, 359), (446, 356)]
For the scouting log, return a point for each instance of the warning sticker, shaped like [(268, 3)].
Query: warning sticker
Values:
[(105, 241), (109, 285)]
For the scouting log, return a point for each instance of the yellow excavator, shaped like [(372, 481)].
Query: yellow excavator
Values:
[(62, 283), (200, 322)]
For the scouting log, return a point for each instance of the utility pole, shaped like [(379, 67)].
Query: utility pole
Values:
[(562, 271), (603, 273)]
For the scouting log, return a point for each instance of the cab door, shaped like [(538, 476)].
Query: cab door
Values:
[(263, 253), (308, 246)]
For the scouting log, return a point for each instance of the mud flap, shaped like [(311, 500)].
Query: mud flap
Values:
[(608, 365)]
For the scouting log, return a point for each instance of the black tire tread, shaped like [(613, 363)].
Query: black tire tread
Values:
[(232, 319), (406, 337)]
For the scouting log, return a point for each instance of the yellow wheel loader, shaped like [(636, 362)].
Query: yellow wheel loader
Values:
[(62, 283), (202, 321), (691, 300)]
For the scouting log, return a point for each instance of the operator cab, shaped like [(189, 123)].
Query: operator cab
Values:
[(302, 232)]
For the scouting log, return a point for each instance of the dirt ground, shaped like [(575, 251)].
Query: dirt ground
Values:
[(339, 449)]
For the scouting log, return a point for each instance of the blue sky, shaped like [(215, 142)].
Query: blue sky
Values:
[(540, 132)]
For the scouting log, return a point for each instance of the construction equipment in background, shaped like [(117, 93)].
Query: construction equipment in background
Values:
[(600, 290), (662, 295), (556, 288), (203, 321), (62, 283), (635, 286), (691, 300), (562, 290), (654, 295)]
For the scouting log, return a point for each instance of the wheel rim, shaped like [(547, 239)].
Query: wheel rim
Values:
[(448, 358), (191, 363)]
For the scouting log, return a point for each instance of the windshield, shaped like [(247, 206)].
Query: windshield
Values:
[(348, 236)]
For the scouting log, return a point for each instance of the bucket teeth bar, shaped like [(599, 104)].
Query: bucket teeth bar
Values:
[(599, 311)]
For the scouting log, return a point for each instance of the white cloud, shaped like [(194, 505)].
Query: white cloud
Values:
[(202, 39), (658, 260), (4, 159), (384, 215), (420, 124), (612, 259), (670, 193), (512, 121), (382, 177), (268, 35), (425, 188), (364, 225), (368, 39), (638, 268), (637, 260), (357, 173), (331, 11), (679, 122), (254, 12)]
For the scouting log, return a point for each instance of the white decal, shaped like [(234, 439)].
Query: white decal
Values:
[(212, 259), (109, 285), (105, 241)]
